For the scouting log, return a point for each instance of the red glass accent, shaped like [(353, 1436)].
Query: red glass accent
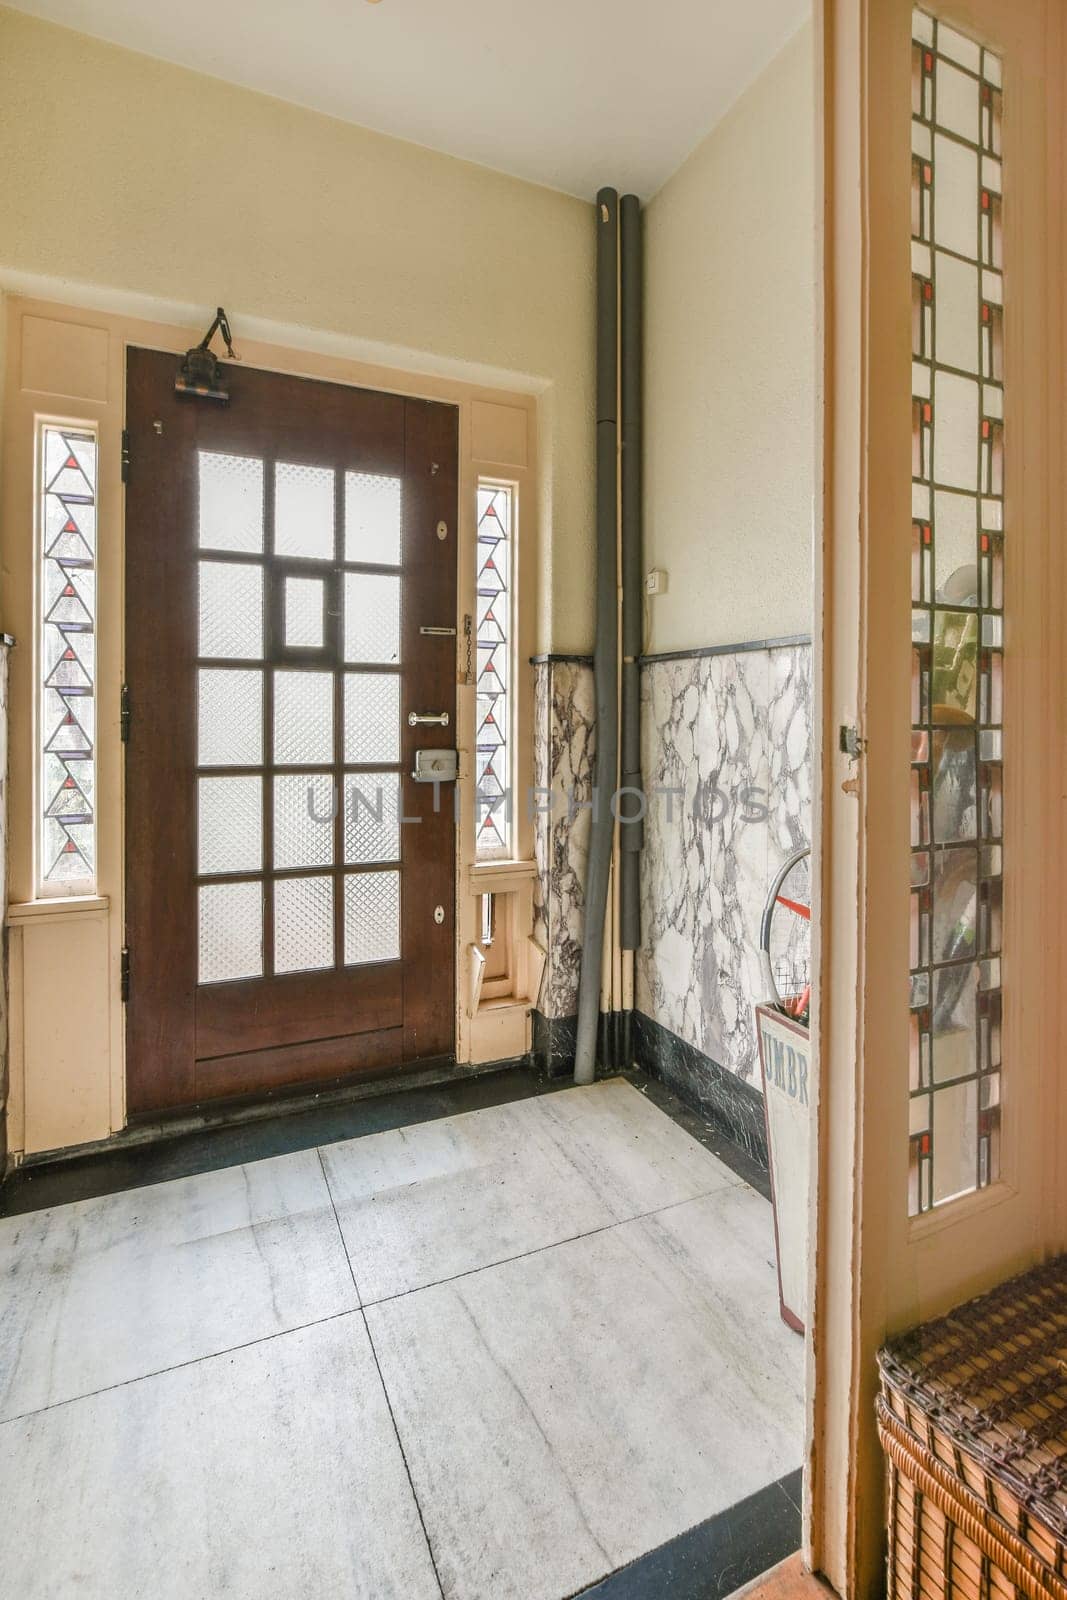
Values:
[(928, 291), (985, 427), (985, 312), (924, 1145), (928, 61), (928, 173), (928, 411), (985, 199), (71, 462), (926, 533), (985, 543)]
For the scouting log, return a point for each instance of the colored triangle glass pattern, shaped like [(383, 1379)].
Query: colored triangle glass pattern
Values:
[(68, 655), (493, 824)]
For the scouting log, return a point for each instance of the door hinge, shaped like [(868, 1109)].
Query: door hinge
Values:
[(124, 714), (125, 455), (124, 973)]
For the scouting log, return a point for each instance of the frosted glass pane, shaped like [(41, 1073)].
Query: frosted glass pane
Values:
[(372, 618), (956, 197), (372, 717), (231, 931), (955, 1140), (956, 322), (231, 609), (230, 717), (373, 518), (955, 787), (372, 917), (961, 49), (372, 817), (303, 924), (953, 1024), (303, 820), (957, 101), (230, 502), (955, 904), (230, 825), (955, 431), (303, 718), (303, 511), (305, 600), (956, 548)]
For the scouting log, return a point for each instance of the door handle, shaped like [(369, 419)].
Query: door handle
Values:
[(427, 719)]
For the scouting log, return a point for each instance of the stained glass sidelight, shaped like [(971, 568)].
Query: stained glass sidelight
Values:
[(492, 822), (957, 614), (68, 657)]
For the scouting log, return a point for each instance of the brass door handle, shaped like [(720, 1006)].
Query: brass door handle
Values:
[(427, 719)]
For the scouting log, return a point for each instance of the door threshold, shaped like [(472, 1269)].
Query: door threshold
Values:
[(225, 1137)]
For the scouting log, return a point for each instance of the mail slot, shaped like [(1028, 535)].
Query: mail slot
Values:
[(435, 766)]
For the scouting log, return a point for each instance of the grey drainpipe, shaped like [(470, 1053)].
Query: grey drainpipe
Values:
[(631, 809), (606, 649)]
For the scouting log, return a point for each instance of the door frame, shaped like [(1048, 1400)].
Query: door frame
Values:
[(874, 1271), (79, 350)]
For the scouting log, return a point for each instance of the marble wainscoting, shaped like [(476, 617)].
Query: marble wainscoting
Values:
[(726, 737), (564, 735)]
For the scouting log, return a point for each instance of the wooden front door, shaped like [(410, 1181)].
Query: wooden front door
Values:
[(290, 886)]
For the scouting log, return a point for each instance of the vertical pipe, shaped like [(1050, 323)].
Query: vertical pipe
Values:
[(631, 808), (606, 649)]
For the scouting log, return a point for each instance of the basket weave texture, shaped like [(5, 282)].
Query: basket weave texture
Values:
[(973, 1419)]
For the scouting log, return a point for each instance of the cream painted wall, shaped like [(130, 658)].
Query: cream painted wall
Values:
[(730, 372), (120, 171)]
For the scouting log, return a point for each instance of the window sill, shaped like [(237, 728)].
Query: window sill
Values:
[(500, 877), (56, 907)]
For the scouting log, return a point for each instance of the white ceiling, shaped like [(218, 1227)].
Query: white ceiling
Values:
[(570, 93)]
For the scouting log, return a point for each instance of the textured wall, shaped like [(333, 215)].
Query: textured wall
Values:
[(120, 171), (731, 733), (730, 362), (564, 748)]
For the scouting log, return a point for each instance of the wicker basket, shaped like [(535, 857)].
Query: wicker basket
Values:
[(973, 1420)]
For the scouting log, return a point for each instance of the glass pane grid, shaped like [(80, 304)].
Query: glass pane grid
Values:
[(67, 687), (303, 511), (230, 502), (372, 618), (231, 610), (303, 924), (372, 917), (957, 542), (303, 718), (373, 519), (492, 822), (231, 931)]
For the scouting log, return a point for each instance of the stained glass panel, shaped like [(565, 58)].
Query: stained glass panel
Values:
[(493, 755), (957, 617), (68, 657)]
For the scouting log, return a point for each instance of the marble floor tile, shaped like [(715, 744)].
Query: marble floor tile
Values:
[(635, 1156), (419, 1205), (105, 1290), (422, 1204), (268, 1473), (564, 1413)]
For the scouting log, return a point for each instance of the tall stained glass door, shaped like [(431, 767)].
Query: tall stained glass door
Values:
[(290, 916), (958, 542)]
